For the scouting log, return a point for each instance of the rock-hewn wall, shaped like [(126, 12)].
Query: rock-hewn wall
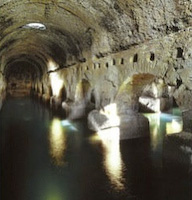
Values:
[(168, 58), (87, 53)]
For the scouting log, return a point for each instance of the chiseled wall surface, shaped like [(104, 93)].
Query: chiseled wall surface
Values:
[(107, 51), (168, 58)]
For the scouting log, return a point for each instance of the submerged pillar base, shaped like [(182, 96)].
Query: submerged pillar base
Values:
[(131, 125)]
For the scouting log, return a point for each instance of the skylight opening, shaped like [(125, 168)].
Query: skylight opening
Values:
[(38, 26)]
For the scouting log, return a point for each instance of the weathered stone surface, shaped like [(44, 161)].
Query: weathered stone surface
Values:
[(148, 104), (76, 29), (131, 124), (98, 121), (76, 110), (99, 52), (183, 98)]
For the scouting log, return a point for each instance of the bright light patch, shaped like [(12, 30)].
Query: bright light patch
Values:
[(110, 109), (112, 159), (69, 125), (38, 26), (174, 126), (56, 83), (150, 103), (111, 113), (57, 139), (110, 134), (52, 65)]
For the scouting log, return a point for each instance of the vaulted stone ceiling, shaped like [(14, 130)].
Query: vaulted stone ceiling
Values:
[(77, 29)]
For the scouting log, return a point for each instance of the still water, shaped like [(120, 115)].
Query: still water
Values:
[(45, 157)]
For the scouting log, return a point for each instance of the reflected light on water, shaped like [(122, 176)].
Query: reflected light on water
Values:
[(57, 139), (53, 192), (69, 125), (154, 121), (172, 123), (54, 197), (112, 156), (175, 126)]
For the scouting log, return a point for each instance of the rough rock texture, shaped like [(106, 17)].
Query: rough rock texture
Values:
[(131, 124), (118, 78), (76, 29), (97, 52)]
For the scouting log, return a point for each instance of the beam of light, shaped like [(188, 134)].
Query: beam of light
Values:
[(57, 140), (38, 26), (112, 156)]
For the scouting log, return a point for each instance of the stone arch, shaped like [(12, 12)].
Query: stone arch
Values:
[(130, 90), (155, 96), (78, 107)]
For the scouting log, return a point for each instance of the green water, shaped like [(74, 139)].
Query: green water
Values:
[(46, 157)]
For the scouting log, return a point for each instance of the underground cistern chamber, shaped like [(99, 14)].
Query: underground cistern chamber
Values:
[(95, 100)]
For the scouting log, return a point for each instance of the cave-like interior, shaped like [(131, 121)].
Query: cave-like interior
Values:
[(105, 61)]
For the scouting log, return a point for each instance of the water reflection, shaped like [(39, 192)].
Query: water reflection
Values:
[(107, 169), (54, 194), (162, 124), (154, 121), (112, 156), (175, 126), (57, 140), (172, 123)]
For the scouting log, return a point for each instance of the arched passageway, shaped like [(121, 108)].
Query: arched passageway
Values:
[(103, 63)]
